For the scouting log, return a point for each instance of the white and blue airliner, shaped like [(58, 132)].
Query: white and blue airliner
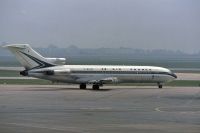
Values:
[(55, 70)]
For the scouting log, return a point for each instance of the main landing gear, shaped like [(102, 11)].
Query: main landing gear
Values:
[(83, 86), (160, 85), (94, 87)]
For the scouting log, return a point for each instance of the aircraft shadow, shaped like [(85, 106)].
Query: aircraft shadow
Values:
[(60, 89)]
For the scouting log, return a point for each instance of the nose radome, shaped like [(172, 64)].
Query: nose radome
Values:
[(174, 75)]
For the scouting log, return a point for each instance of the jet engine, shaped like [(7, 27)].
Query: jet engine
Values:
[(57, 72)]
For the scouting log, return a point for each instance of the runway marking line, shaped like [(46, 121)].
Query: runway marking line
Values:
[(158, 109)]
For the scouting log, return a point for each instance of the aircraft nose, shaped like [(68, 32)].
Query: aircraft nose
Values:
[(174, 75)]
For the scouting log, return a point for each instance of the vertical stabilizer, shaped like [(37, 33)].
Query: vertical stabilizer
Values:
[(28, 57)]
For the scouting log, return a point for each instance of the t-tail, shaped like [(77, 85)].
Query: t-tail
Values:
[(30, 59)]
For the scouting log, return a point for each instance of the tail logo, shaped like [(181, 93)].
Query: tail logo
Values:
[(42, 64)]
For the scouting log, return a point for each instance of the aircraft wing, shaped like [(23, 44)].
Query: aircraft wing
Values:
[(98, 80)]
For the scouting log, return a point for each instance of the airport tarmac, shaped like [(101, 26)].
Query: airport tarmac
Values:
[(181, 76), (113, 109)]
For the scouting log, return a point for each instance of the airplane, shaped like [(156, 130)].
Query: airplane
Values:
[(55, 70)]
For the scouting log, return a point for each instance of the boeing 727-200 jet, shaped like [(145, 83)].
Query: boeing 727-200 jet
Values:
[(55, 70)]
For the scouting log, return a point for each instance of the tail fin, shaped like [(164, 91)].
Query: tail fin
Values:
[(28, 57)]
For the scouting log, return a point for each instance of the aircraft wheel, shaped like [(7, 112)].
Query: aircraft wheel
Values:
[(95, 87), (82, 86), (160, 86)]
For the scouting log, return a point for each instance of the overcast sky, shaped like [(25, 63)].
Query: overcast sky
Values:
[(148, 24)]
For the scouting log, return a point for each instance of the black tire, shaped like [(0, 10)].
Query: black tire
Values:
[(95, 87), (160, 86), (83, 86)]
